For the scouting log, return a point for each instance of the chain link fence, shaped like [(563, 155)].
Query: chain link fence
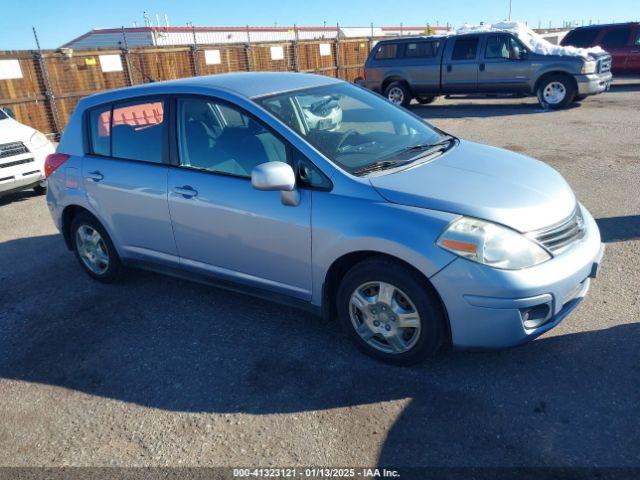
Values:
[(42, 87)]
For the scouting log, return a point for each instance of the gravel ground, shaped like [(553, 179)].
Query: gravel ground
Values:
[(159, 371)]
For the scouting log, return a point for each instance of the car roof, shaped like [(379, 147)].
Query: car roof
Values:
[(607, 25), (246, 84)]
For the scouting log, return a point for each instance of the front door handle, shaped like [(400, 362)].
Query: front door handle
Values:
[(448, 68), (482, 67), (96, 176), (187, 191)]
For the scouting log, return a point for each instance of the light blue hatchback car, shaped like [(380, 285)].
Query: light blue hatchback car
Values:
[(309, 190)]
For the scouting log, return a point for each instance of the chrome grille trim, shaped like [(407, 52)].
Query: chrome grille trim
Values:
[(604, 65), (557, 237), (16, 162), (12, 149)]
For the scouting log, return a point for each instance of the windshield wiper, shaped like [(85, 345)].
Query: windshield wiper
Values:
[(381, 165), (443, 142)]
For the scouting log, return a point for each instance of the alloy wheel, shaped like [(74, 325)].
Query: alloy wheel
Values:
[(92, 249)]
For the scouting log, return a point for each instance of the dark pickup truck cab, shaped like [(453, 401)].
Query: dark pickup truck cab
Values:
[(480, 63)]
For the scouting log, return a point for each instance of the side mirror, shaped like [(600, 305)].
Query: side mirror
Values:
[(277, 176), (522, 54)]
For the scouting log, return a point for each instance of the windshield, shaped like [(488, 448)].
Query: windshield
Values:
[(354, 128)]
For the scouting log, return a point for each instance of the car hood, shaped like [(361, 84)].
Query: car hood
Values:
[(12, 131), (483, 182)]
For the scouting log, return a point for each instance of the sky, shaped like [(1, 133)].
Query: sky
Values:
[(60, 21)]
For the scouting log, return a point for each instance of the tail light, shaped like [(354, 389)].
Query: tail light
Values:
[(53, 161)]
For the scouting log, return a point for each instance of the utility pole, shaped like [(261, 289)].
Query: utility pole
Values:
[(509, 10)]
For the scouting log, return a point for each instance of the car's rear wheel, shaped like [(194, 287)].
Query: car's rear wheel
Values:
[(94, 249), (556, 92), (391, 312), (398, 93)]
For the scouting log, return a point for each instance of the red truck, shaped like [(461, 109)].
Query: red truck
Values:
[(621, 40)]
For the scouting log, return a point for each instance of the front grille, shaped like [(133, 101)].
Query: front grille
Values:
[(12, 149), (604, 65), (17, 162), (563, 234)]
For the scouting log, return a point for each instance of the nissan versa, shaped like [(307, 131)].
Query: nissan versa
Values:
[(306, 188)]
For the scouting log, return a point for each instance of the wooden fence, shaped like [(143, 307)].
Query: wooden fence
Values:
[(45, 88)]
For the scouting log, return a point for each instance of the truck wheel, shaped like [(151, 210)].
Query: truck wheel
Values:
[(398, 93), (556, 92), (426, 100)]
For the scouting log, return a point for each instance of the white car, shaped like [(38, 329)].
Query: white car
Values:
[(22, 154)]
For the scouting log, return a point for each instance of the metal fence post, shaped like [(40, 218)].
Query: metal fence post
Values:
[(48, 91), (337, 50), (296, 49), (249, 51), (125, 54), (194, 52)]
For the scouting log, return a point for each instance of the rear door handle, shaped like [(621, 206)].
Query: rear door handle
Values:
[(482, 67), (448, 68), (187, 191), (96, 176)]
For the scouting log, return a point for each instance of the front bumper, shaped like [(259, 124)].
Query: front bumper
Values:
[(21, 182), (489, 308), (593, 83)]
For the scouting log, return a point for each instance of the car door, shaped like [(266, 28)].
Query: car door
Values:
[(222, 225), (618, 42), (125, 177), (505, 66), (633, 62), (460, 68)]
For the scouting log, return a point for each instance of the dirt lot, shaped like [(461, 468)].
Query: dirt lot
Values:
[(158, 371)]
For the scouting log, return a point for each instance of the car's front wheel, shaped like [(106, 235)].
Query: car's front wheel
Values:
[(556, 92), (94, 249), (391, 312)]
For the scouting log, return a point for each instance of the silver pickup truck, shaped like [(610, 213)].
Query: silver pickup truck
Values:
[(481, 63)]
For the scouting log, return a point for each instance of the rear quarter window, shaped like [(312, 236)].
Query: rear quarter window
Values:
[(421, 49), (100, 130)]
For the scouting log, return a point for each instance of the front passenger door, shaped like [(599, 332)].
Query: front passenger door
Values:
[(222, 225)]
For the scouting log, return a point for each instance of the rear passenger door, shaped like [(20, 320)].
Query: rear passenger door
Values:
[(618, 42), (633, 62), (125, 177), (460, 66), (223, 226)]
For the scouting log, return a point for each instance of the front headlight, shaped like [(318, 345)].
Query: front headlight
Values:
[(589, 66), (38, 140), (491, 244)]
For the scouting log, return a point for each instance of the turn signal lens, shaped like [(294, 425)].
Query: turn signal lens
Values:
[(53, 161)]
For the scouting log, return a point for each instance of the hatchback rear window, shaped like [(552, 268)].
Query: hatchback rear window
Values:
[(387, 51), (616, 38), (581, 38)]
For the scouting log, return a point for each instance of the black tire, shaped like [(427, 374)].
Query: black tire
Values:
[(426, 100), (404, 88), (569, 89), (114, 269), (433, 332), (40, 189)]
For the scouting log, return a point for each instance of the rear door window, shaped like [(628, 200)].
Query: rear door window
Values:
[(465, 48), (138, 130), (581, 38), (616, 38), (387, 51)]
